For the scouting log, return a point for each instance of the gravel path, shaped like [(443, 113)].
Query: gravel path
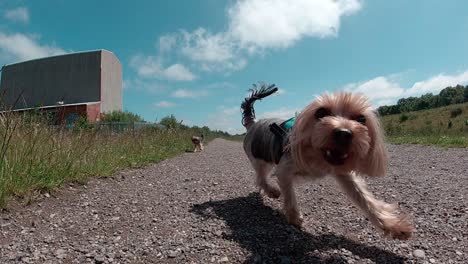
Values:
[(204, 208)]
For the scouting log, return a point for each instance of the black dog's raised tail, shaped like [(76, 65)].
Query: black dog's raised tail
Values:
[(248, 112)]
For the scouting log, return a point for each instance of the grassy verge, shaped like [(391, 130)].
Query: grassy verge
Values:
[(445, 126), (38, 157), (437, 140)]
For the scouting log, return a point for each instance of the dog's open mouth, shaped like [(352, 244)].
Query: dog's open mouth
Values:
[(335, 156)]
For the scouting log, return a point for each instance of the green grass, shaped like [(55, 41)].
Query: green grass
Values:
[(446, 126), (36, 157), (443, 141)]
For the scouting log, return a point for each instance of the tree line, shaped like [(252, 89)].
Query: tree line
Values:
[(448, 96)]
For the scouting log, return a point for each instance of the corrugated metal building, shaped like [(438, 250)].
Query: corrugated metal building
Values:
[(77, 84)]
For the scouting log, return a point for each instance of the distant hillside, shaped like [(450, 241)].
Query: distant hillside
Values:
[(448, 96), (446, 126)]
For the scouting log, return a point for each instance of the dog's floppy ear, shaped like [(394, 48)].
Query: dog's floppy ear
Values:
[(376, 163)]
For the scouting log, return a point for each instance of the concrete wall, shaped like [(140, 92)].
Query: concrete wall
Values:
[(111, 83), (71, 78)]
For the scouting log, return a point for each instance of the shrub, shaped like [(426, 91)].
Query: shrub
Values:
[(403, 118), (120, 116), (83, 123), (171, 122), (456, 112)]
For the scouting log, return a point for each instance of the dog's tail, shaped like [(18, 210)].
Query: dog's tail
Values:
[(248, 112)]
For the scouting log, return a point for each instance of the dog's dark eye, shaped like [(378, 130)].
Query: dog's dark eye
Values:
[(361, 119), (322, 112)]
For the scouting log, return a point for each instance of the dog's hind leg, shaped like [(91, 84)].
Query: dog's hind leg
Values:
[(263, 170), (380, 213)]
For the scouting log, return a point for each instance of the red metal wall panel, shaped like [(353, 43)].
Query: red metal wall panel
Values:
[(93, 112)]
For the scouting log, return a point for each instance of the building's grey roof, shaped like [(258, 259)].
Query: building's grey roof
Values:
[(61, 55)]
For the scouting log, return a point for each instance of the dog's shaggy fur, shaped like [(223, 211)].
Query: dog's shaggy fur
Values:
[(198, 142), (338, 135)]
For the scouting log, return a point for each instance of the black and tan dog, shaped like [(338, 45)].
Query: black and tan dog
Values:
[(198, 142), (337, 135)]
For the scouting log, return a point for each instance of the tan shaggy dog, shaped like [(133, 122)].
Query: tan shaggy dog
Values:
[(198, 142), (337, 135)]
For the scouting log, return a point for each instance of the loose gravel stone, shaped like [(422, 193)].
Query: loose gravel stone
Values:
[(99, 259), (61, 253), (204, 207), (418, 253), (173, 253)]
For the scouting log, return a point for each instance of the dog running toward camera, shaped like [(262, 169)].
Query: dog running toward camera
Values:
[(198, 142), (338, 135)]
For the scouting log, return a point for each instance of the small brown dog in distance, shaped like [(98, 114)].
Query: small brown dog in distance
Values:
[(338, 135), (198, 142)]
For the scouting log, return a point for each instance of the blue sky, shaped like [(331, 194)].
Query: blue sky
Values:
[(196, 59)]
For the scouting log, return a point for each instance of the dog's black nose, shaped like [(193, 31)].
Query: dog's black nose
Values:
[(342, 136)]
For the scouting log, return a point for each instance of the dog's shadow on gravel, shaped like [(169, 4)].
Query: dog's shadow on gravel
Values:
[(265, 233)]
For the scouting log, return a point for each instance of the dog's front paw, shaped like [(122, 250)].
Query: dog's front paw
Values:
[(295, 220), (399, 228), (273, 192)]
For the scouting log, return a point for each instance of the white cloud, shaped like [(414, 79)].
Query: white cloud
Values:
[(151, 67), (166, 43), (384, 91), (215, 52), (225, 123), (201, 45), (178, 72), (184, 93), (19, 14), (146, 66), (234, 110), (436, 83), (280, 23), (164, 104), (20, 47), (378, 88), (226, 119), (138, 84), (256, 25)]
